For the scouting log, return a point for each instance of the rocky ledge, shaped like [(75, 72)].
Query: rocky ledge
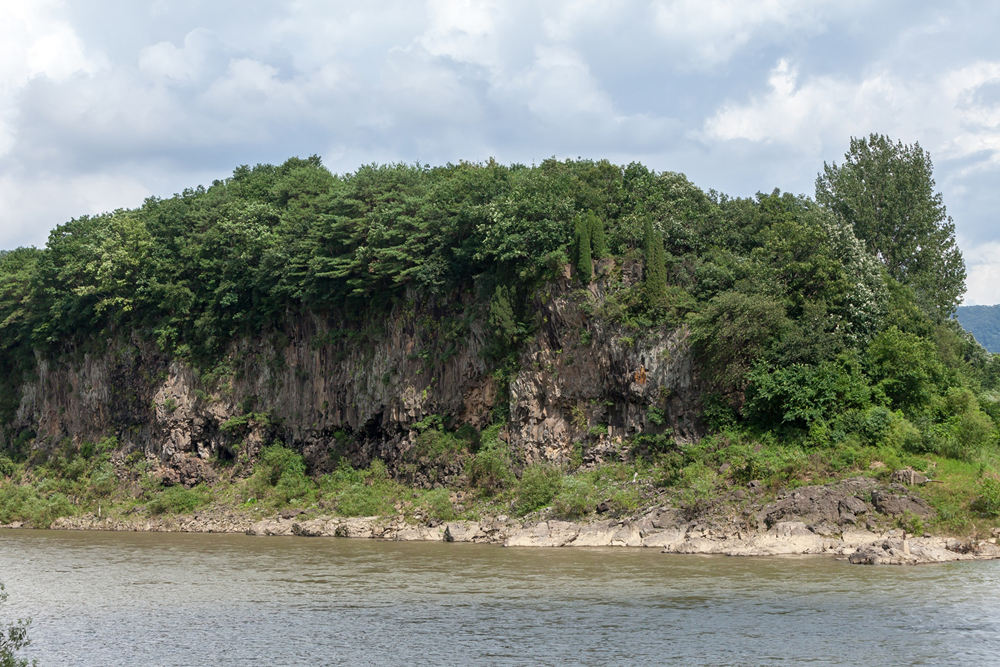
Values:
[(856, 519), (892, 547)]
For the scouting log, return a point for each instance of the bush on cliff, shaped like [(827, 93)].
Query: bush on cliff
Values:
[(539, 484), (280, 475)]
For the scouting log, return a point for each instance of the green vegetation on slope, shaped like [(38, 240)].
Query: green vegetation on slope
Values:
[(983, 322), (824, 345)]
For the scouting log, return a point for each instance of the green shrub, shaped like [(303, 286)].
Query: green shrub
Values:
[(490, 469), (987, 502), (577, 498), (699, 481), (903, 436), (281, 473), (178, 500), (539, 484), (24, 503), (437, 504), (7, 467), (973, 433), (906, 368), (361, 492)]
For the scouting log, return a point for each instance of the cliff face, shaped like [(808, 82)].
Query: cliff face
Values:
[(358, 394)]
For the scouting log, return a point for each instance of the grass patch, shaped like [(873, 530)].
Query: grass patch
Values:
[(178, 500)]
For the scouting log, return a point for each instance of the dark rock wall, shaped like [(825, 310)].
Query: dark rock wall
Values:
[(581, 378)]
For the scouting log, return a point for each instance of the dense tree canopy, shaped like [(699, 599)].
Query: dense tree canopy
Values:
[(800, 312)]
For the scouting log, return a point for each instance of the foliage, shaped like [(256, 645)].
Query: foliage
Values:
[(655, 288), (885, 190), (598, 239), (366, 492), (988, 500), (905, 368), (178, 500), (13, 638), (804, 394), (490, 469), (36, 506), (281, 474), (581, 242), (539, 484)]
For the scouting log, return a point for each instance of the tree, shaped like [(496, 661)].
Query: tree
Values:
[(584, 268), (656, 267), (886, 192), (13, 638), (598, 242)]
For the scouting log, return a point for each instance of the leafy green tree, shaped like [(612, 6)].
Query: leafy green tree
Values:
[(584, 265), (905, 367), (801, 394), (732, 334), (502, 317), (886, 191), (13, 638)]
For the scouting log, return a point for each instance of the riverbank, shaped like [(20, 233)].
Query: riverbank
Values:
[(859, 519)]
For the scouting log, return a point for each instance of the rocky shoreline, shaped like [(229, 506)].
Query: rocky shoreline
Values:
[(855, 519)]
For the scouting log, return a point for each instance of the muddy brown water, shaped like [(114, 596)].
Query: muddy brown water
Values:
[(181, 599)]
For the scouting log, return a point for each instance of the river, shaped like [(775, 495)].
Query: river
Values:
[(185, 599)]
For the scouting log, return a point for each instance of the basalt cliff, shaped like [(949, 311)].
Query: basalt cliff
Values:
[(331, 394)]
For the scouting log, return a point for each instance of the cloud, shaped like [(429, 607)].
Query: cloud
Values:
[(199, 55), (740, 95), (711, 32), (982, 262)]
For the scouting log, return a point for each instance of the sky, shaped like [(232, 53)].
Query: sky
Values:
[(106, 102)]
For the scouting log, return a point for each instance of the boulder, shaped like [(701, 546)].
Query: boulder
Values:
[(460, 531)]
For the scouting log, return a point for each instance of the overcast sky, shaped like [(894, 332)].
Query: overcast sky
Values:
[(106, 102)]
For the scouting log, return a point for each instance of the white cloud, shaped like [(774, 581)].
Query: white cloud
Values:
[(712, 31), (942, 112), (34, 42), (164, 61), (982, 263)]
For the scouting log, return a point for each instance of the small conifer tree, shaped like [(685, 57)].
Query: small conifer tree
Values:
[(584, 265), (598, 243), (502, 315), (656, 267)]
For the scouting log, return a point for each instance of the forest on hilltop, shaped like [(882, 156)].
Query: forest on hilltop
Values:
[(810, 308), (821, 322)]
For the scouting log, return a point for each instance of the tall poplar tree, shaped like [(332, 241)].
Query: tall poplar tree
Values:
[(886, 191)]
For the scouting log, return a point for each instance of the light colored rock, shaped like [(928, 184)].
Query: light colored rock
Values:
[(597, 534), (627, 535), (420, 533), (544, 534), (363, 527), (271, 528), (856, 537), (461, 531), (664, 538)]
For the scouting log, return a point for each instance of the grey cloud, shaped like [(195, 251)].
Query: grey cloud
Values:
[(191, 89)]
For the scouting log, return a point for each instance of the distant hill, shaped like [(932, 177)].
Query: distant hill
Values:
[(984, 323)]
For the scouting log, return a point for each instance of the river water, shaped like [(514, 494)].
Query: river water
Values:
[(179, 599)]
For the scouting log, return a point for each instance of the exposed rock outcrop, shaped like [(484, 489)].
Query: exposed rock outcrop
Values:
[(331, 392)]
